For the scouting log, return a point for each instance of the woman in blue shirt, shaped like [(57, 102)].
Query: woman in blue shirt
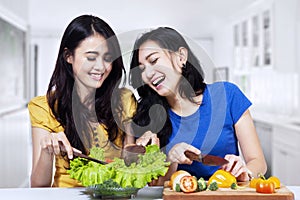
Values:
[(177, 107)]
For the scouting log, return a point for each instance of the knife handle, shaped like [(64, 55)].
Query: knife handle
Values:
[(192, 156)]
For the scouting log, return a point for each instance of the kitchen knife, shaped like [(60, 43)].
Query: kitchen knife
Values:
[(62, 148), (89, 158), (206, 159)]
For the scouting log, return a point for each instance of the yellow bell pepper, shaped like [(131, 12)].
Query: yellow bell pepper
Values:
[(223, 178)]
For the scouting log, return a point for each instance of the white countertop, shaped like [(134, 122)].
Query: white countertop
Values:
[(287, 121), (77, 193), (145, 193)]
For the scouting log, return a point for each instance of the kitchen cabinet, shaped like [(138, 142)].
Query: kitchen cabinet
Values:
[(15, 148), (263, 45), (253, 43), (286, 155)]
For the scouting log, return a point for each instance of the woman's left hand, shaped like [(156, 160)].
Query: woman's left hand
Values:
[(237, 167), (147, 137)]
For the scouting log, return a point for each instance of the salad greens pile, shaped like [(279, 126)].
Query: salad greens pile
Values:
[(150, 166)]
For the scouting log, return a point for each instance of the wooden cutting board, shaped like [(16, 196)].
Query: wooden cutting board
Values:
[(245, 193)]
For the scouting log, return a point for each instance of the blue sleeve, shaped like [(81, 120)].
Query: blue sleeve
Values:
[(238, 102)]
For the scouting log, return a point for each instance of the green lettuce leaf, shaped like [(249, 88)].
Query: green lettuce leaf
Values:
[(150, 166)]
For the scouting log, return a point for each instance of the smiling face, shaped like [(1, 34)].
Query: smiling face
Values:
[(161, 69), (91, 62)]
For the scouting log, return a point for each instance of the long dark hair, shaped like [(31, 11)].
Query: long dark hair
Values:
[(62, 95), (191, 84)]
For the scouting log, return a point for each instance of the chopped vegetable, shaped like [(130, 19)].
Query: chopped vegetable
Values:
[(97, 153), (109, 189), (275, 180), (177, 187), (188, 184), (108, 184), (213, 186), (234, 186), (202, 184), (223, 178), (175, 178), (253, 182), (264, 185)]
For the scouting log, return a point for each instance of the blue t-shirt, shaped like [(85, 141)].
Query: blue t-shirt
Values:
[(211, 127)]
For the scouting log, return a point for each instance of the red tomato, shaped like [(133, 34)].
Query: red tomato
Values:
[(188, 184)]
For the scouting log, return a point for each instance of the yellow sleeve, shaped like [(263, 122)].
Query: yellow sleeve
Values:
[(129, 105), (41, 115)]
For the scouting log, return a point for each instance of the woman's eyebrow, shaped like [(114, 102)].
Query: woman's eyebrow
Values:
[(147, 57), (151, 54)]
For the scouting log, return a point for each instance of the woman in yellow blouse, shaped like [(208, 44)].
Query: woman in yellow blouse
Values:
[(83, 106)]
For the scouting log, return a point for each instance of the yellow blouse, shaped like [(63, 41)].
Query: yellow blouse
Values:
[(42, 117)]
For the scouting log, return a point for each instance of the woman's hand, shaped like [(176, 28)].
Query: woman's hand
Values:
[(237, 167), (176, 154), (44, 146), (54, 143), (146, 138)]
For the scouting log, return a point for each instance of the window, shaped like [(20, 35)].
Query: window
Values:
[(13, 79)]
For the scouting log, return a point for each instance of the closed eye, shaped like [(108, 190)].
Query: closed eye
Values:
[(154, 61), (108, 57), (91, 58)]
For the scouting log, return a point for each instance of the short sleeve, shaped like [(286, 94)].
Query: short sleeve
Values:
[(128, 105), (41, 116), (239, 103)]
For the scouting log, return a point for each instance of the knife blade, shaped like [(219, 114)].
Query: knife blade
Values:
[(206, 159), (89, 158), (62, 148)]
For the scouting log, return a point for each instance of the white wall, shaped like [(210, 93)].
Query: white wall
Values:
[(15, 142), (298, 51), (223, 47), (16, 7), (206, 57), (48, 46)]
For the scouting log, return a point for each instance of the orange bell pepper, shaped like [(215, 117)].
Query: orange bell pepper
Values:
[(276, 181), (273, 179), (223, 178), (265, 186), (253, 182)]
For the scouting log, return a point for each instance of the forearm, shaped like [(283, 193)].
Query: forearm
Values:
[(42, 172), (257, 166)]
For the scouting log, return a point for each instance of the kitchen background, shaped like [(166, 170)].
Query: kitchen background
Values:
[(254, 43)]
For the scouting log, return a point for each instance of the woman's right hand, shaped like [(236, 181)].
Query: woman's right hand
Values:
[(176, 154), (54, 143)]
